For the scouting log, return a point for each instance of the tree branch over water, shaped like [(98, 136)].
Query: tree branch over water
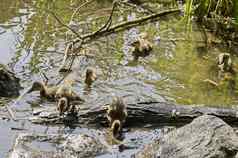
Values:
[(105, 30), (64, 25), (78, 9), (125, 25)]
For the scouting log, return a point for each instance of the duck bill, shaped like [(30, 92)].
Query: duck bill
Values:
[(29, 90), (94, 77)]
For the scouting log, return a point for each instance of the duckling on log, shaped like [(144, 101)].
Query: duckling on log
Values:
[(45, 91), (63, 105), (65, 90), (116, 115)]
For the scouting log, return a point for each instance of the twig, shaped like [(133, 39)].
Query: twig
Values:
[(64, 25), (66, 53), (18, 129), (45, 77), (145, 10), (72, 61), (211, 82), (11, 113), (77, 9), (109, 21)]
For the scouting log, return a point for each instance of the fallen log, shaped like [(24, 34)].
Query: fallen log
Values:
[(143, 114)]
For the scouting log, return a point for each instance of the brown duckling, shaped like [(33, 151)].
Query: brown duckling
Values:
[(45, 91), (116, 115), (62, 105), (142, 47), (91, 76), (224, 62), (65, 90)]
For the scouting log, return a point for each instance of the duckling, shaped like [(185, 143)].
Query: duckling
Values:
[(65, 90), (142, 47), (63, 105), (91, 76), (45, 91), (224, 62), (116, 115)]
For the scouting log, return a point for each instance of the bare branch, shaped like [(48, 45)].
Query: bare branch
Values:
[(109, 30), (11, 113), (77, 9), (64, 25), (126, 25), (109, 21)]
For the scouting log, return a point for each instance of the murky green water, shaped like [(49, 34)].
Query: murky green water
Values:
[(32, 41)]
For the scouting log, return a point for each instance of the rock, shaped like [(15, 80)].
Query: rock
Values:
[(9, 83), (56, 146), (205, 137)]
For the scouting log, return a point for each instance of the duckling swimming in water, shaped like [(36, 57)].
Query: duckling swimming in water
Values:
[(224, 62), (45, 91), (116, 115), (142, 47), (226, 72), (225, 66), (91, 76)]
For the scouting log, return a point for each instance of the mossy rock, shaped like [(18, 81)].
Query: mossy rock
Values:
[(9, 83)]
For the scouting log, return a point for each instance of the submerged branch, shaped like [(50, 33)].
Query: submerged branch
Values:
[(11, 113)]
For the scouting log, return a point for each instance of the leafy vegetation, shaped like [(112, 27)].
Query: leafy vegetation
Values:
[(211, 9)]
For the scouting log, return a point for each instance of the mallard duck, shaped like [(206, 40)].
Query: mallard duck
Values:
[(91, 76), (116, 115), (65, 90), (142, 47), (45, 91), (224, 62)]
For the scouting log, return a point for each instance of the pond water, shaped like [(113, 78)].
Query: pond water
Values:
[(32, 41)]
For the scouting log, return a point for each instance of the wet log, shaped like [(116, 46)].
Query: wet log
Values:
[(144, 114), (157, 114)]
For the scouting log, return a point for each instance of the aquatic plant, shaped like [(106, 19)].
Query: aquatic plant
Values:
[(210, 8)]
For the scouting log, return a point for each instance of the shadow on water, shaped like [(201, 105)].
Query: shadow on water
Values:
[(31, 41)]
